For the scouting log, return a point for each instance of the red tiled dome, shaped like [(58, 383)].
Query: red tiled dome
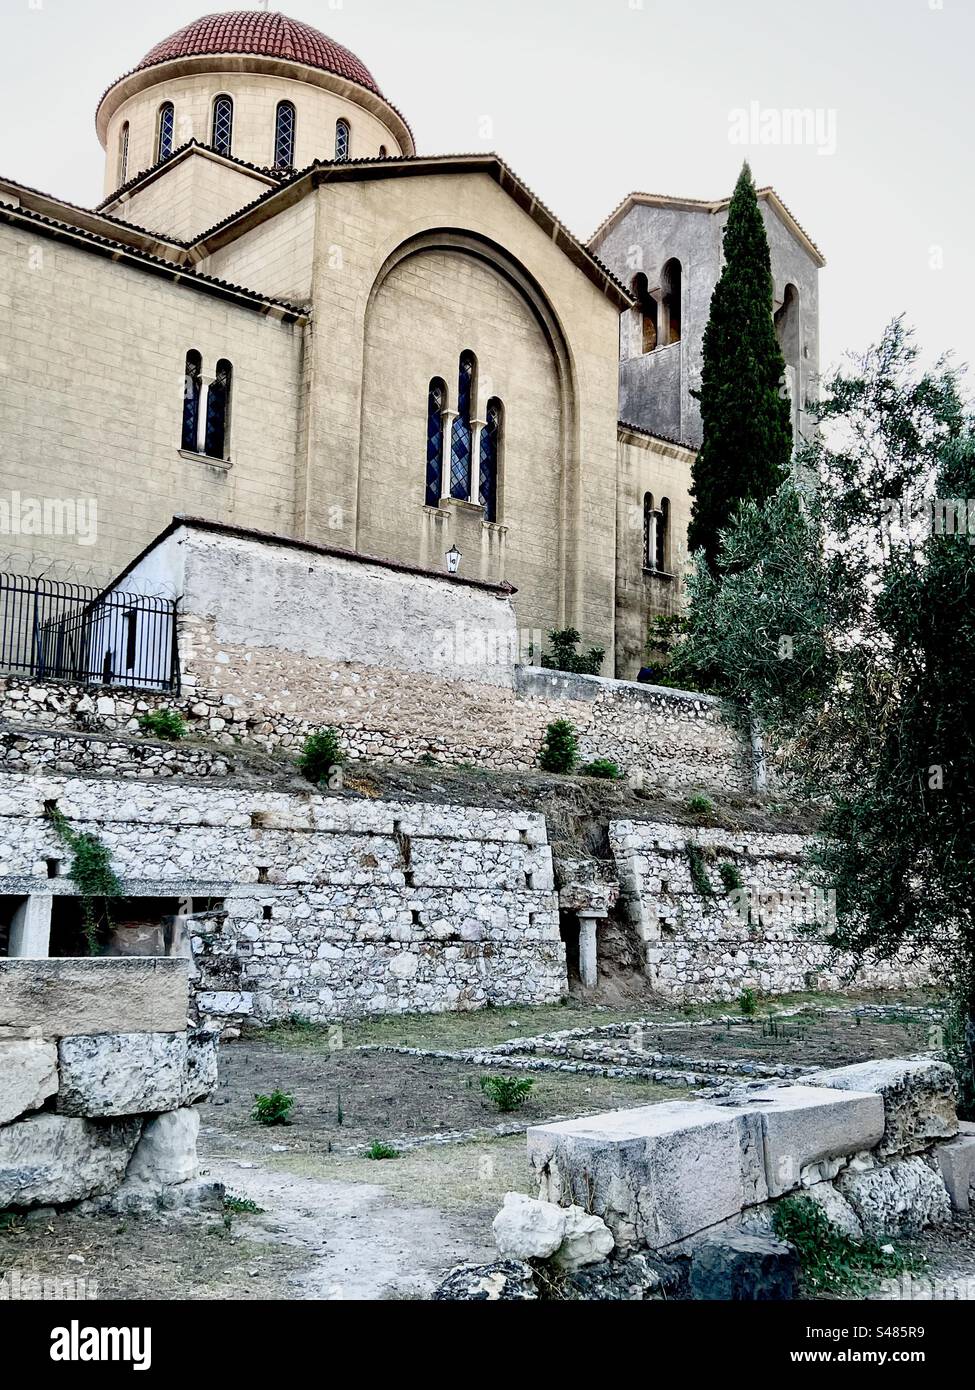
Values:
[(266, 34)]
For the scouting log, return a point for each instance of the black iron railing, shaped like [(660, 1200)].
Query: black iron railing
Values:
[(55, 631)]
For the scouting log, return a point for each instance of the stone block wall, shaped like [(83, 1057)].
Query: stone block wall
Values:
[(330, 908), (99, 1077), (768, 935), (876, 1146)]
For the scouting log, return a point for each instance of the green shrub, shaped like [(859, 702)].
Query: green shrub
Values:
[(602, 767), (748, 1002), (564, 657), (700, 881), (830, 1261), (274, 1109), (377, 1149), (508, 1092), (560, 747), (164, 723), (320, 753), (730, 877), (240, 1206), (700, 805)]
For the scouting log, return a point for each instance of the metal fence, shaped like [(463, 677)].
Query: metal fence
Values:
[(72, 632)]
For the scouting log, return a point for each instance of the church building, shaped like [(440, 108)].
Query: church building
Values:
[(283, 317)]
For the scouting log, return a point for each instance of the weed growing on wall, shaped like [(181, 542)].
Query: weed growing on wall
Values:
[(91, 869), (560, 747), (164, 723), (830, 1261), (321, 753), (699, 874)]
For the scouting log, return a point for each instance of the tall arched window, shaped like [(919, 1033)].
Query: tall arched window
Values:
[(670, 297), (284, 135), (218, 412), (383, 152), (192, 382), (649, 532), (460, 434), (490, 453), (123, 154), (646, 315), (222, 135), (661, 556), (167, 125), (343, 140), (436, 404)]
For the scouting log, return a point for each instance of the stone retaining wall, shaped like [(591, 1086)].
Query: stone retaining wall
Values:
[(674, 740), (99, 1077), (768, 935), (332, 908)]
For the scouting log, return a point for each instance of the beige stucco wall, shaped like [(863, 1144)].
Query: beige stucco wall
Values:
[(431, 307), (404, 274), (190, 195), (91, 404), (275, 258), (363, 228), (255, 96), (664, 470)]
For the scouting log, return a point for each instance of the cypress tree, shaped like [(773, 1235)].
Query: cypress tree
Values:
[(745, 412)]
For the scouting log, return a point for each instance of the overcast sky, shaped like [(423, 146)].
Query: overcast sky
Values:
[(589, 99)]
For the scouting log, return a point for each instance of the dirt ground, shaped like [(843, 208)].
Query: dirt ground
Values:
[(335, 1224)]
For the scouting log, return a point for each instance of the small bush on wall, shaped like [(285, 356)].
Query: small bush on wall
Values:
[(560, 748)]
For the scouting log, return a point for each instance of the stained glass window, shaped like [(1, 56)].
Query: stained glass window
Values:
[(167, 125), (284, 136), (191, 401), (490, 446), (343, 138), (218, 412), (460, 435), (436, 402), (223, 125)]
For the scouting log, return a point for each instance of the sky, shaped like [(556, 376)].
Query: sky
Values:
[(590, 99)]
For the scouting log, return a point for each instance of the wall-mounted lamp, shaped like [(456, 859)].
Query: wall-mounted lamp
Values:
[(453, 560)]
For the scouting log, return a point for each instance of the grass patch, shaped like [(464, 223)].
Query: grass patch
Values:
[(378, 1150)]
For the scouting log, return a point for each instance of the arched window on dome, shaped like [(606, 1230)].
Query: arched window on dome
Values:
[(123, 154), (462, 431), (218, 412), (490, 452), (166, 128), (383, 152), (222, 133), (436, 405), (343, 140), (192, 382), (285, 125)]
